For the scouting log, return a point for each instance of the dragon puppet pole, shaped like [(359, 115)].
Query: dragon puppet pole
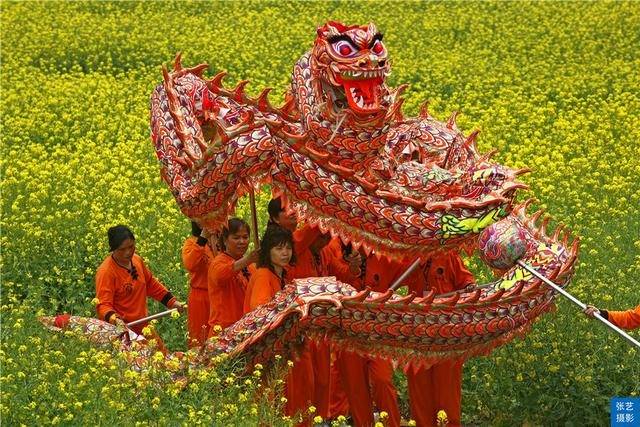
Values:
[(578, 302), (153, 316), (254, 217), (398, 282)]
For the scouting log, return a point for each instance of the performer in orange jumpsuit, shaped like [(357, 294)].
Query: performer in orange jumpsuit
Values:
[(123, 283), (276, 252), (229, 274), (315, 253), (278, 216), (629, 319), (371, 380), (196, 257), (439, 387)]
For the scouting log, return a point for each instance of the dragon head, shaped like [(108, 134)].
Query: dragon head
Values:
[(351, 64)]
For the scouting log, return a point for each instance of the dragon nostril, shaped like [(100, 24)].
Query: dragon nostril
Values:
[(381, 63)]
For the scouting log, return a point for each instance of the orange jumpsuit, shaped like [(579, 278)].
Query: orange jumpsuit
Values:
[(196, 256), (629, 319), (362, 375), (329, 397), (119, 293), (439, 387), (263, 286), (227, 289)]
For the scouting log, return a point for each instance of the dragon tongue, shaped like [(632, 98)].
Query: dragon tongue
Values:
[(362, 95)]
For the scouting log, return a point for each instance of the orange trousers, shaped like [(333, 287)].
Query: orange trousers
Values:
[(299, 386), (198, 316), (330, 398), (433, 389), (360, 377)]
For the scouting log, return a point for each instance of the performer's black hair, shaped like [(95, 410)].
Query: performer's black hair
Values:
[(233, 226), (195, 229), (118, 234), (274, 236)]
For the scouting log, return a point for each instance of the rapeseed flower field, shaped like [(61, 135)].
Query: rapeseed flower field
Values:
[(553, 85)]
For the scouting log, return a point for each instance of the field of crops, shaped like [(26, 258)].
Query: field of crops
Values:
[(553, 85)]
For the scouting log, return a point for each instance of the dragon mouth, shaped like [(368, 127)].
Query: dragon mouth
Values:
[(362, 89)]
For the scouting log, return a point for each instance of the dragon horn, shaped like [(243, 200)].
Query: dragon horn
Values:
[(487, 156), (238, 91), (262, 101), (521, 171), (470, 142), (359, 296), (215, 84), (557, 232), (424, 110), (542, 230), (451, 123), (177, 62)]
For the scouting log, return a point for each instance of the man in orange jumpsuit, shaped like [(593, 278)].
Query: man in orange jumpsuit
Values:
[(629, 319), (196, 256), (439, 387), (315, 253), (362, 375)]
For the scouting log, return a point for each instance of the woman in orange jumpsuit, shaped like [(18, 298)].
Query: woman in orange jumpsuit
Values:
[(439, 387), (276, 251), (229, 274), (197, 253), (629, 319), (123, 283)]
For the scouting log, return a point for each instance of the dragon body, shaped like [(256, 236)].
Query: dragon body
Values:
[(343, 157)]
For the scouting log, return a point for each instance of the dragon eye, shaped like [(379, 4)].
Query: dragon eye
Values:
[(344, 48), (377, 48)]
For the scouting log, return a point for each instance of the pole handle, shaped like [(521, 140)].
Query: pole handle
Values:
[(153, 316), (579, 303)]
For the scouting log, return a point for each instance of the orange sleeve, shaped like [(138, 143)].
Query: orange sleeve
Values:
[(221, 270), (105, 290), (155, 289), (192, 254), (261, 289), (462, 276), (338, 267), (629, 319)]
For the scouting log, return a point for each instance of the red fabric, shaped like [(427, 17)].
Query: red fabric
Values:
[(629, 319), (439, 387), (433, 389), (329, 398), (368, 381), (118, 292), (299, 383), (227, 289), (196, 260), (62, 320)]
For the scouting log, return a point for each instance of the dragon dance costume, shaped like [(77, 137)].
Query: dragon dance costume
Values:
[(342, 156)]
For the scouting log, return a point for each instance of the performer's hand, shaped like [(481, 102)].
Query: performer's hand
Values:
[(252, 257), (591, 311), (120, 325), (179, 306), (355, 261)]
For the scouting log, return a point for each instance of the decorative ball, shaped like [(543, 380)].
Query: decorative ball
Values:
[(502, 244)]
